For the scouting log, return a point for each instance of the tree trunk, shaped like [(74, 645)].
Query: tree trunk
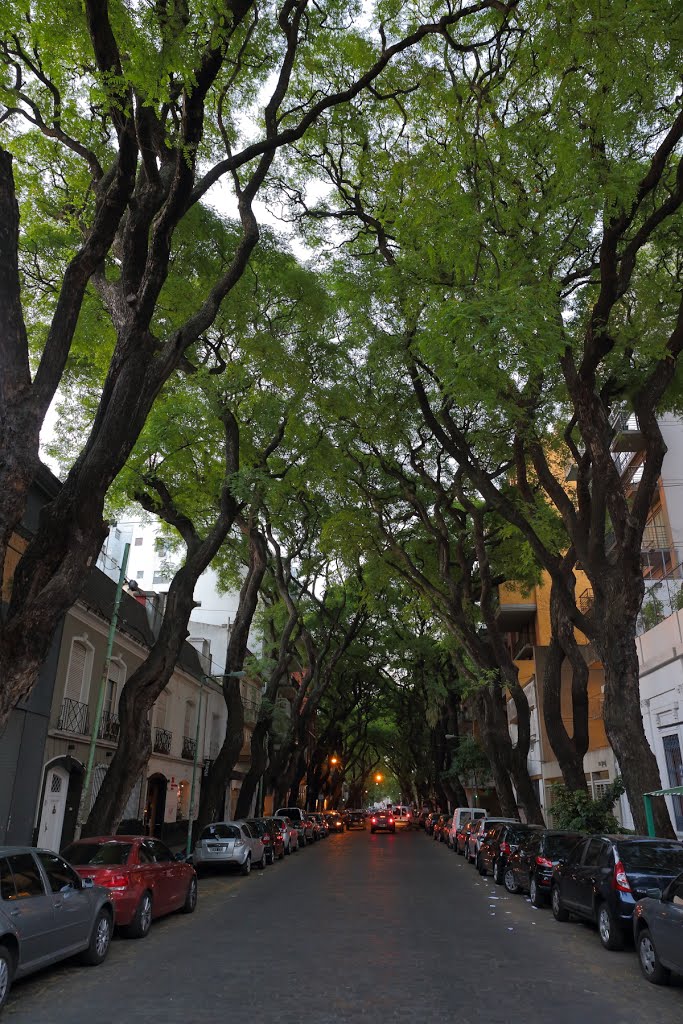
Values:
[(257, 767), (495, 740), (625, 730), (569, 750)]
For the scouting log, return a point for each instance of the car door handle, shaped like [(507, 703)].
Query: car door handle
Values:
[(15, 913)]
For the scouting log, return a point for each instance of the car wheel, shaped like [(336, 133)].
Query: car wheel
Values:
[(262, 863), (559, 912), (480, 867), (649, 961), (611, 934), (142, 922), (497, 872), (191, 899), (246, 867), (287, 850), (509, 881), (6, 972), (535, 895), (99, 940)]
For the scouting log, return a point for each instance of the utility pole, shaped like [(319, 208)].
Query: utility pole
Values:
[(87, 784)]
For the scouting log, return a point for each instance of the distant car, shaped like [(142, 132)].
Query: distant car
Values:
[(431, 820), (304, 831), (422, 817), (605, 875), (293, 813), (658, 932), (144, 879), (403, 815), (462, 835), (356, 819), (47, 913), (335, 821), (501, 841), (478, 834), (382, 821), (530, 867), (323, 827), (290, 836), (229, 843), (264, 830)]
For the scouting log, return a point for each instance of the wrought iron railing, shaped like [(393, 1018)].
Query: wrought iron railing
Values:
[(586, 600), (189, 747), (73, 717), (109, 727), (162, 741)]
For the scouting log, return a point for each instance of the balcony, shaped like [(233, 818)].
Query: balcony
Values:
[(189, 747), (162, 741), (627, 433), (515, 611), (109, 727), (585, 601), (74, 717)]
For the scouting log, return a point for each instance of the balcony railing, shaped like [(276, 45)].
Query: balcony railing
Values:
[(586, 600), (109, 727), (662, 598), (162, 741), (74, 717), (189, 747)]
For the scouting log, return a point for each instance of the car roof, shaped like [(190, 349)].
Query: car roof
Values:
[(617, 837), (109, 839)]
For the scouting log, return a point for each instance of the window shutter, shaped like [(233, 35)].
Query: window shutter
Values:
[(74, 680)]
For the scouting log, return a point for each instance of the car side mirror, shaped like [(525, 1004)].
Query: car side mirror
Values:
[(180, 856), (652, 894), (87, 883)]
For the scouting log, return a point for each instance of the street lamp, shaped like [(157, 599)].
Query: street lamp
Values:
[(334, 760), (378, 778)]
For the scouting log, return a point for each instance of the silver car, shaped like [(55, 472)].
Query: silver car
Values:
[(47, 913), (476, 837), (658, 932), (229, 842)]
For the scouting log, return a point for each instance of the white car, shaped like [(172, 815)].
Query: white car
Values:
[(476, 838), (460, 816), (229, 842)]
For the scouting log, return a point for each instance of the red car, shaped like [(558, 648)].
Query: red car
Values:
[(143, 878)]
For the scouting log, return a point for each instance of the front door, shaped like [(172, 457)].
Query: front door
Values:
[(70, 902), (28, 907), (52, 811)]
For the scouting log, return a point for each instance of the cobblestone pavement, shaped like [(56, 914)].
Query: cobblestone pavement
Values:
[(359, 927)]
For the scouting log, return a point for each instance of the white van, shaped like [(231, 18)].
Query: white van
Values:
[(460, 816), (402, 815)]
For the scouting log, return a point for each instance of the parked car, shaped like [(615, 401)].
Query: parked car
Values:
[(463, 814), (500, 841), (403, 815), (530, 867), (478, 834), (304, 831), (445, 829), (274, 826), (462, 835), (290, 836), (335, 821), (604, 876), (438, 825), (260, 827), (229, 843), (323, 828), (47, 913), (293, 813), (430, 821), (422, 817), (658, 932), (382, 821), (356, 819), (144, 879)]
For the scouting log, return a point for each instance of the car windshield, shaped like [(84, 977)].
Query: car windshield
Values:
[(221, 831), (257, 826), (97, 853), (658, 857), (558, 847)]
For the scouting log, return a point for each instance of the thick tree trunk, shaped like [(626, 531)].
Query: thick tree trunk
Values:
[(569, 750), (495, 739), (625, 730), (259, 760)]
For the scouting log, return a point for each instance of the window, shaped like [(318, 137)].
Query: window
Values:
[(674, 767), (140, 574), (161, 853), (114, 679), (145, 855), (188, 729), (161, 576), (215, 735), (117, 534), (247, 832), (27, 880), (575, 856), (78, 664), (7, 890), (220, 831), (138, 542), (675, 892), (98, 853), (60, 877), (162, 708), (593, 853)]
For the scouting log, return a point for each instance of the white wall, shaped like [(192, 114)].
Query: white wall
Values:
[(672, 476)]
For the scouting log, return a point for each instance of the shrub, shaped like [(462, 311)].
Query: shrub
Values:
[(578, 811)]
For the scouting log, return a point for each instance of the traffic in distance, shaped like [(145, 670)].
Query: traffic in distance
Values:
[(630, 887)]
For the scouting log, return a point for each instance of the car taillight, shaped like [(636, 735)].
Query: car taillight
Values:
[(266, 839), (118, 882), (391, 821), (505, 848), (374, 821), (544, 862), (620, 881)]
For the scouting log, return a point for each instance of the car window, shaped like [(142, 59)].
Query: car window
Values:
[(27, 878), (60, 877), (576, 854), (145, 855), (593, 853), (161, 853), (97, 853), (7, 890), (675, 892), (658, 857), (559, 846), (220, 831), (247, 831)]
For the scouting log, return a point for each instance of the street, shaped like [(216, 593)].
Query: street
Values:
[(390, 927)]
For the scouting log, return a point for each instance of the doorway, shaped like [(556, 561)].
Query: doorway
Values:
[(52, 811), (155, 805)]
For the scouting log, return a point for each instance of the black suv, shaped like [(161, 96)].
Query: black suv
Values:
[(356, 819), (500, 842), (604, 876), (530, 867)]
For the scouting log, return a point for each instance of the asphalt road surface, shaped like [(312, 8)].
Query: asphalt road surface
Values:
[(358, 927)]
